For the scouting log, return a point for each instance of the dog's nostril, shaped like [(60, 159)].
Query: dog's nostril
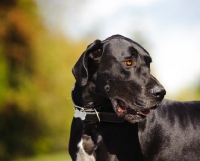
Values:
[(158, 92)]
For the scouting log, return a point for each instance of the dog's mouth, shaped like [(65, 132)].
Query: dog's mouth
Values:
[(123, 110)]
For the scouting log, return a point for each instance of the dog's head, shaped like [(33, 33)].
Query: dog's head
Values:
[(119, 68)]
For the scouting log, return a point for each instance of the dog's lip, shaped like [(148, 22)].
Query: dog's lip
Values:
[(122, 109), (145, 112)]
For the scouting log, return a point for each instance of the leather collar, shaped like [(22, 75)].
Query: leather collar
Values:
[(92, 115)]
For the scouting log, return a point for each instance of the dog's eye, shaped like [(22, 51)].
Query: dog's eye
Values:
[(128, 63)]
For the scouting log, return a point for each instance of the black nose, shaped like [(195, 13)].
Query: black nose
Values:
[(158, 92)]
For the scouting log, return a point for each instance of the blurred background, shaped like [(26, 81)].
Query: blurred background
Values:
[(40, 41)]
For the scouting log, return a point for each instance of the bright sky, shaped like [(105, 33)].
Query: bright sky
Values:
[(171, 27)]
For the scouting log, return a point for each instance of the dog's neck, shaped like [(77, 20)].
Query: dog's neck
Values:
[(87, 97)]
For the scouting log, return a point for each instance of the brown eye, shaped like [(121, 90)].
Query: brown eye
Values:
[(128, 63)]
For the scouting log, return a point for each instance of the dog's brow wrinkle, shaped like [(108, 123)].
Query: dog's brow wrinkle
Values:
[(128, 57)]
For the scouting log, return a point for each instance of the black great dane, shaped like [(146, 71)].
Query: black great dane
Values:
[(120, 114)]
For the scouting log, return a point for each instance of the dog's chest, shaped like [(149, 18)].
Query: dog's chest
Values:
[(85, 149)]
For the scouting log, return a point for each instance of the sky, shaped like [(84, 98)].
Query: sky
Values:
[(171, 30)]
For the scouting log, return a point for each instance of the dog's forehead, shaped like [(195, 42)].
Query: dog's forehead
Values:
[(124, 46)]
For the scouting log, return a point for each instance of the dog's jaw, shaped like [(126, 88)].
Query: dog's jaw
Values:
[(133, 114)]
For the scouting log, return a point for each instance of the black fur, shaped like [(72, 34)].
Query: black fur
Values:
[(171, 132)]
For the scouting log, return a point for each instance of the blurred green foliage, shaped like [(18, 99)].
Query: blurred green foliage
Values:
[(48, 157), (35, 83)]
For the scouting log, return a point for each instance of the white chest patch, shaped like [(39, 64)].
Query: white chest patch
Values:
[(82, 155)]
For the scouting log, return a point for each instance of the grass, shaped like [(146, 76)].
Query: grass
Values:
[(49, 157)]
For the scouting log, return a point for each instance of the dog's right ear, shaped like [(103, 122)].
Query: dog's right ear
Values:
[(80, 70)]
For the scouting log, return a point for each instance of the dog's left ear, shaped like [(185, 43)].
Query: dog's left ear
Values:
[(80, 70)]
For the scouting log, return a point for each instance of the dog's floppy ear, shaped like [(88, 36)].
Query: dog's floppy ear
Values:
[(80, 70)]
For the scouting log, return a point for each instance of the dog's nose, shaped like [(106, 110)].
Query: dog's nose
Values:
[(158, 92)]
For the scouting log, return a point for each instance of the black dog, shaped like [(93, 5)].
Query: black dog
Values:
[(113, 83)]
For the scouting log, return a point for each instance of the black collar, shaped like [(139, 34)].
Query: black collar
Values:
[(92, 115)]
